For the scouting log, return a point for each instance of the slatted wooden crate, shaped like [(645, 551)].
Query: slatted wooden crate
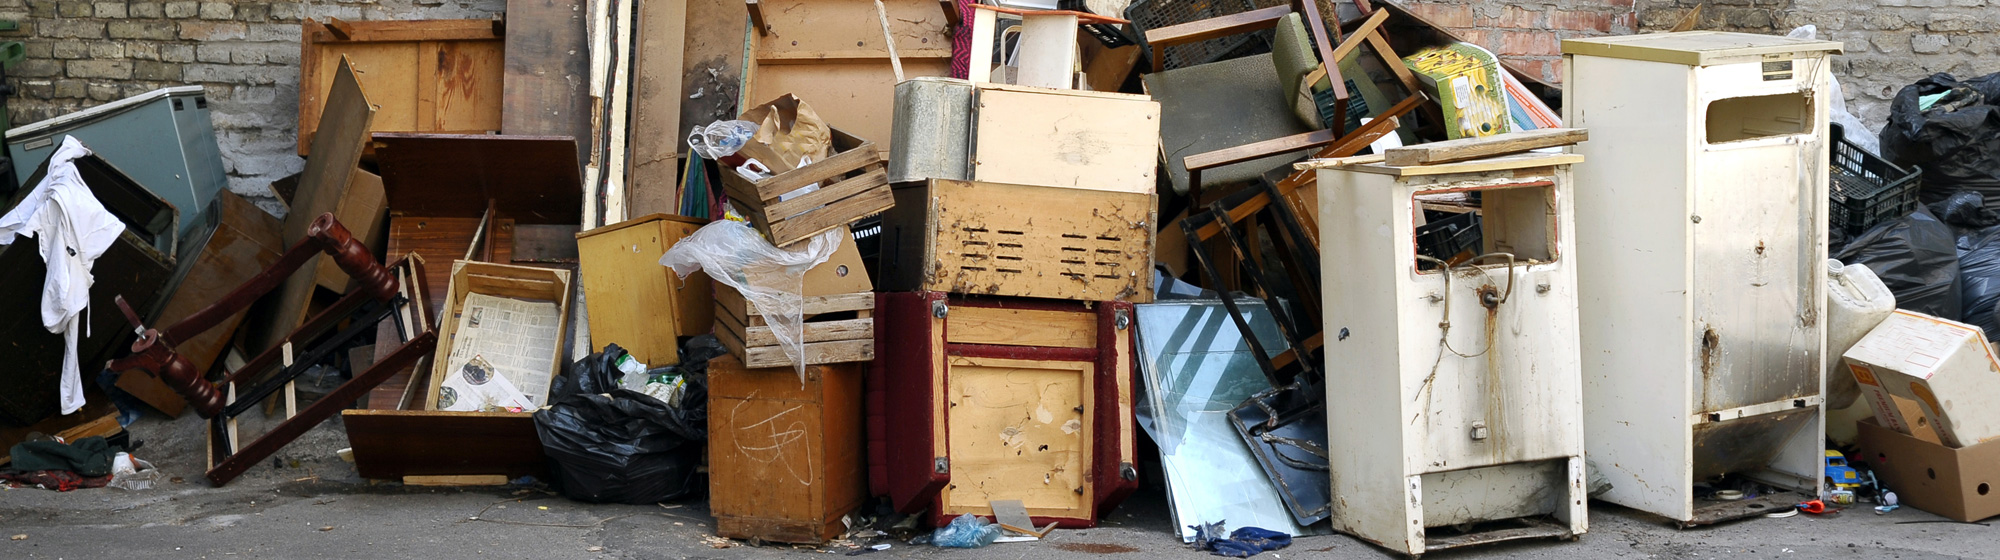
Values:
[(853, 184), (838, 328)]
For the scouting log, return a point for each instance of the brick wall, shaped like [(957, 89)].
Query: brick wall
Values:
[(245, 54), (1529, 34), (1889, 43)]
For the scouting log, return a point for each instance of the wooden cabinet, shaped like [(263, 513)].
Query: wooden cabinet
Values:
[(1018, 240), (633, 300), (785, 456), (981, 399)]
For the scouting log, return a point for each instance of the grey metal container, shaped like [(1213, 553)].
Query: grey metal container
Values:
[(932, 128), (162, 139)]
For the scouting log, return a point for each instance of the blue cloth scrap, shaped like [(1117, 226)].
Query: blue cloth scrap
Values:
[(1241, 543)]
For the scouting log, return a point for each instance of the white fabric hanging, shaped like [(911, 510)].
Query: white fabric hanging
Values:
[(73, 229)]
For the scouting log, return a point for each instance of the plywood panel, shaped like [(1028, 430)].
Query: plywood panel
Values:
[(656, 108), (857, 97), (425, 75), (1020, 327), (547, 63), (1017, 431), (343, 127), (634, 301), (831, 28), (1052, 138)]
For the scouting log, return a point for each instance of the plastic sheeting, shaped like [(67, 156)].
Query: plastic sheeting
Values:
[(1196, 367), (769, 277)]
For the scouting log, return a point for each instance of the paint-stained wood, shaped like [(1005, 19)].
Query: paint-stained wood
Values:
[(245, 241), (1014, 240), (393, 444), (633, 300), (426, 75), (656, 133), (1018, 430), (785, 457), (1473, 148), (1021, 327), (1062, 138), (712, 70), (547, 63)]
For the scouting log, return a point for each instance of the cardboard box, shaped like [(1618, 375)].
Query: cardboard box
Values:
[(1954, 483), (1945, 366)]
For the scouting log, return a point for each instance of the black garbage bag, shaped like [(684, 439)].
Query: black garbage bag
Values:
[(1917, 258), (609, 444), (1956, 141), (1979, 279)]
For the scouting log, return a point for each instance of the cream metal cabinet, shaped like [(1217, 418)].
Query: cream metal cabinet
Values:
[(1453, 396), (1702, 248)]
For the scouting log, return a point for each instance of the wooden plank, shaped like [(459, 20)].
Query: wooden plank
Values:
[(1019, 430), (1474, 148), (656, 108), (90, 422), (1256, 150), (547, 59), (838, 214), (820, 331), (712, 60), (1049, 138), (392, 444), (828, 194), (456, 480), (851, 25), (848, 55), (409, 30), (469, 86), (363, 210), (1202, 30), (344, 125), (425, 75), (816, 353), (608, 204), (1496, 163), (839, 164), (1020, 327), (529, 178), (812, 305)]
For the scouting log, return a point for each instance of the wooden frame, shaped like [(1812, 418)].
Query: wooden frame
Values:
[(741, 327), (424, 75), (853, 184)]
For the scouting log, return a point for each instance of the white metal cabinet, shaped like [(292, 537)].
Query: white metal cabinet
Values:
[(1431, 427), (1703, 228)]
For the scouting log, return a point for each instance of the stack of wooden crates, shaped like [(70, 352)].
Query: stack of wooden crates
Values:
[(1004, 368)]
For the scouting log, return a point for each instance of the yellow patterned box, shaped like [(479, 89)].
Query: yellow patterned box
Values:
[(1465, 81)]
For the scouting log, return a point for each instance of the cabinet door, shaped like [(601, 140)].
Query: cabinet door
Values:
[(1019, 430)]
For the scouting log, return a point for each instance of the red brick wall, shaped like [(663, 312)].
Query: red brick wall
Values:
[(1529, 34)]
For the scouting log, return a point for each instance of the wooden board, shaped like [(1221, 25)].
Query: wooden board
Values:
[(832, 54), (1474, 148), (652, 173), (1020, 327), (343, 124), (858, 97), (1013, 240), (785, 457), (427, 75), (363, 211), (1033, 136), (729, 300), (529, 178), (246, 241), (1018, 430), (633, 300), (392, 444), (518, 282), (441, 241), (831, 352), (456, 480), (547, 63), (712, 71)]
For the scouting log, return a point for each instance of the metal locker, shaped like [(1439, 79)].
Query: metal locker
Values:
[(1453, 386), (1703, 221)]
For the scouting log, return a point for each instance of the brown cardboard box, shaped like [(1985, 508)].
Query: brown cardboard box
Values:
[(1954, 483)]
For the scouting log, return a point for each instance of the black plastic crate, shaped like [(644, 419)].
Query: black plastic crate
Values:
[(1155, 14), (1448, 237), (1865, 189)]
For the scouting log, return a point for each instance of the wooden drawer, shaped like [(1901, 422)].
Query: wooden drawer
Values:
[(785, 457), (1002, 399), (1016, 240)]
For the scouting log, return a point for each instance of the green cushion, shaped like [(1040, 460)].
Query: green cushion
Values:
[(1292, 54)]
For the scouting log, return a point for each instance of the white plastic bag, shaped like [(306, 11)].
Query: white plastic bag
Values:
[(132, 473), (720, 138), (771, 278)]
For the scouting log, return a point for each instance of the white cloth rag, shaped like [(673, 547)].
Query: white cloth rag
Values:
[(73, 229)]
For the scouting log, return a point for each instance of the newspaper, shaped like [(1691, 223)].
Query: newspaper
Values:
[(501, 355)]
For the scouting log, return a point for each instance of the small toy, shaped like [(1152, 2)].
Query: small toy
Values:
[(1839, 476)]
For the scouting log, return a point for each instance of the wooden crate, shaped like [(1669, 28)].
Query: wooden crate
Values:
[(244, 240), (984, 399), (1017, 240), (853, 184), (635, 302), (422, 75), (785, 457), (832, 54), (838, 328), (518, 282), (1065, 138)]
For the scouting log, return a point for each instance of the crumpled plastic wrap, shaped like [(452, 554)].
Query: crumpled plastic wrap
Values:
[(770, 278), (132, 473)]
